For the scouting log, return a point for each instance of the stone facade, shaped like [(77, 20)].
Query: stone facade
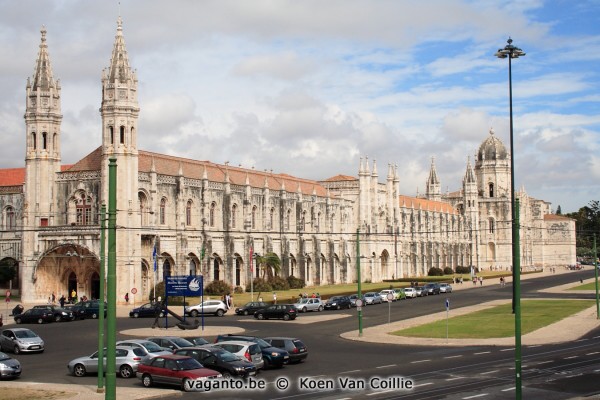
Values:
[(185, 208)]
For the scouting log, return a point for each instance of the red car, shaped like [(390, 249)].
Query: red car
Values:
[(176, 370)]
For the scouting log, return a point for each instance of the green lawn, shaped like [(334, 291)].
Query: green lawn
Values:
[(499, 321), (587, 286)]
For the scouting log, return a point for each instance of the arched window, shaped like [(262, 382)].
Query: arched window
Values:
[(11, 222), (167, 268), (303, 221), (143, 202), (211, 214), (318, 221), (491, 189), (54, 146), (288, 217), (271, 218), (254, 217), (162, 213), (44, 140), (83, 209), (491, 225), (188, 213), (111, 134), (233, 215), (34, 139), (122, 134)]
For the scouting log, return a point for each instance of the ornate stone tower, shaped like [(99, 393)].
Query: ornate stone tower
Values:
[(120, 112), (471, 205), (433, 187), (492, 168)]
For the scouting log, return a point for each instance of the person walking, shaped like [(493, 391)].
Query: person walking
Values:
[(274, 298), (127, 297), (62, 300), (73, 296)]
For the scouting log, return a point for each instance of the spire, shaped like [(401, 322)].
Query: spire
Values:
[(119, 69), (433, 179), (374, 168), (470, 174), (42, 75)]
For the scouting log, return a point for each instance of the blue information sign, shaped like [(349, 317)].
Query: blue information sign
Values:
[(447, 304), (184, 285)]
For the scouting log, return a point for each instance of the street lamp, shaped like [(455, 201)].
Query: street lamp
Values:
[(509, 51)]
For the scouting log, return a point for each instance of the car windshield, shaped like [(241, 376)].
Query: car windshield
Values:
[(226, 356), (25, 334), (303, 301), (152, 347), (198, 340), (331, 300), (181, 342), (187, 364), (4, 357)]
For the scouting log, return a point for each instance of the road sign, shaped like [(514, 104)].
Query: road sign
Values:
[(133, 291), (447, 304), (390, 296), (359, 304), (358, 308)]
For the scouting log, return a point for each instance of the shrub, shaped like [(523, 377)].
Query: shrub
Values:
[(448, 271), (463, 270), (295, 283), (433, 271), (238, 290), (259, 285), (217, 288), (279, 283)]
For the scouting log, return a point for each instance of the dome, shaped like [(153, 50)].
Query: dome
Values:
[(492, 149)]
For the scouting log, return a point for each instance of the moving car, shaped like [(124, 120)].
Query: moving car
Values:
[(9, 367), (295, 347), (171, 342), (147, 310), (221, 360), (214, 307), (309, 304), (151, 349), (20, 340), (249, 351), (60, 313), (445, 288), (87, 309), (174, 369), (279, 311), (35, 315), (410, 292), (127, 360), (373, 298), (272, 356), (251, 307), (337, 303)]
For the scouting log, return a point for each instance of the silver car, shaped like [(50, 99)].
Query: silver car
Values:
[(127, 361), (150, 349), (20, 340), (215, 307), (249, 351), (9, 367), (309, 304), (171, 342)]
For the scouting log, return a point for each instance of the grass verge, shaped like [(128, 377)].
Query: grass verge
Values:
[(586, 286)]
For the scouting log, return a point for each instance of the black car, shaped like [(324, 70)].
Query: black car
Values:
[(148, 310), (60, 314), (297, 350), (433, 288), (39, 315), (251, 307), (338, 302), (228, 364), (87, 309), (277, 311), (273, 356)]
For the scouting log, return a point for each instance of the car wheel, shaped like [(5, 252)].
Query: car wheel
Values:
[(136, 315), (245, 312), (40, 321), (220, 313), (267, 363), (320, 309), (162, 314), (18, 320), (338, 307), (79, 370), (349, 306), (286, 317), (94, 316), (226, 375), (260, 316), (146, 380), (304, 309), (126, 371), (17, 350), (194, 313), (57, 318)]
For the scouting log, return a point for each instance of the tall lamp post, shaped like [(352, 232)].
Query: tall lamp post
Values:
[(509, 51)]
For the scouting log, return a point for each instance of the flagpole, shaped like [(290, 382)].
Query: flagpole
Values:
[(251, 277)]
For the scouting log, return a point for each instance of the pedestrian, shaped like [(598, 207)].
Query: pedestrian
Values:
[(53, 298), (62, 300), (127, 297), (73, 296), (481, 281), (274, 298)]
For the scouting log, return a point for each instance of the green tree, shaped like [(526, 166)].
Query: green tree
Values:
[(269, 265), (558, 210), (587, 220)]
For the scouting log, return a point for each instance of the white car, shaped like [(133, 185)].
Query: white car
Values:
[(309, 304), (215, 307), (249, 351), (410, 292), (384, 295), (445, 288)]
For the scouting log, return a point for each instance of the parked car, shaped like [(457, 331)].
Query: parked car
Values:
[(278, 311), (147, 310), (35, 315), (421, 291), (309, 304), (400, 295), (150, 348), (9, 367), (221, 360), (373, 298), (410, 292), (171, 342), (174, 369), (384, 295), (20, 340), (127, 361), (445, 288), (214, 307), (337, 303), (251, 307), (272, 356), (60, 313), (87, 309), (249, 351), (296, 349), (354, 297), (197, 340), (433, 288)]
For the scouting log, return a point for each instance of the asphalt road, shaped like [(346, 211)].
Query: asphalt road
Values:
[(338, 369)]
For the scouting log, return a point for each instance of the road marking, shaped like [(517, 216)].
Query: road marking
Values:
[(596, 337), (380, 392), (570, 358), (423, 384), (477, 395), (453, 379), (545, 362), (349, 372), (580, 340), (453, 356), (420, 361), (483, 352), (386, 366), (534, 345), (592, 353), (597, 370), (489, 372), (506, 390), (508, 349)]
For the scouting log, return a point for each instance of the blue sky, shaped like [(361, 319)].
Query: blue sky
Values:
[(309, 87)]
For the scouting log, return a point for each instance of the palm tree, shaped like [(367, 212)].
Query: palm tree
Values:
[(270, 266)]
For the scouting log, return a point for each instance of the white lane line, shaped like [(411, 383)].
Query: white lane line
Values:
[(534, 345), (386, 366), (482, 352), (423, 384), (544, 362), (596, 370), (420, 361), (477, 395), (506, 390), (511, 349), (489, 372), (570, 358), (454, 379), (349, 372), (381, 391), (581, 340), (453, 356), (592, 353)]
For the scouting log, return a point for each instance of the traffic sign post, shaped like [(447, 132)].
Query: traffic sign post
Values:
[(447, 309), (390, 298)]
